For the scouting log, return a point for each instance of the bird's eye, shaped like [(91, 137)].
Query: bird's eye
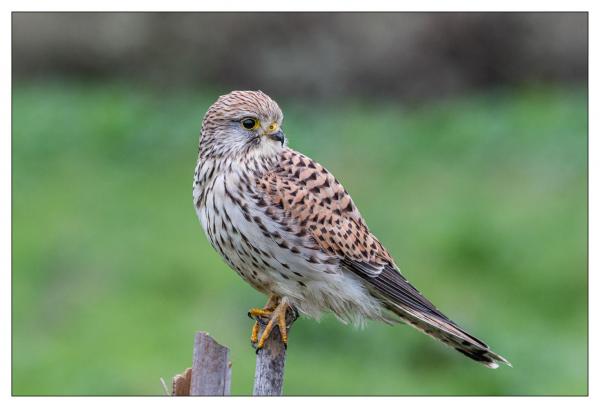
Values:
[(249, 123)]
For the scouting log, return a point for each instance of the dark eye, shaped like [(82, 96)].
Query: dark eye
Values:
[(249, 123)]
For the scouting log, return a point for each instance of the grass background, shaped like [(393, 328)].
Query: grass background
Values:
[(481, 199)]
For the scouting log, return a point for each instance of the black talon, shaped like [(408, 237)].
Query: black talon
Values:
[(294, 313)]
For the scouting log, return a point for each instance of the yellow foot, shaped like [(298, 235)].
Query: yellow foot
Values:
[(276, 310), (256, 313)]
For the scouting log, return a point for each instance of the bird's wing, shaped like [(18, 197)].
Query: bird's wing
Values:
[(318, 204), (313, 199)]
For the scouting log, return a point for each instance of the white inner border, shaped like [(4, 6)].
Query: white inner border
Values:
[(306, 5)]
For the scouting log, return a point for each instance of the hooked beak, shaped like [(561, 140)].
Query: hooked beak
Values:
[(277, 136)]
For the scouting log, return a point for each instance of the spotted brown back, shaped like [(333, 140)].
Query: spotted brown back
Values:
[(319, 204)]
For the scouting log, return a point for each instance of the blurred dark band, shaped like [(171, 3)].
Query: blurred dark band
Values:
[(407, 55)]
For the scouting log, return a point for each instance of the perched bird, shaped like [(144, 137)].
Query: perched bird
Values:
[(289, 228)]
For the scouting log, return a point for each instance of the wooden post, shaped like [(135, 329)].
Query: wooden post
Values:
[(211, 370), (270, 361)]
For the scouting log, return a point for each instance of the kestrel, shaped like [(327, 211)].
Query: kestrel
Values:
[(289, 228)]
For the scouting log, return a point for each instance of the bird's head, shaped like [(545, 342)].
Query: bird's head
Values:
[(242, 123)]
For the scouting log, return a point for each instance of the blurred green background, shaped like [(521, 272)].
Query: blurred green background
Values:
[(480, 195)]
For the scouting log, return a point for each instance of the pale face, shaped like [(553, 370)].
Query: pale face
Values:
[(242, 123)]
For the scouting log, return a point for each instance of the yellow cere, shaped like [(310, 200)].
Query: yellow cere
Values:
[(273, 127)]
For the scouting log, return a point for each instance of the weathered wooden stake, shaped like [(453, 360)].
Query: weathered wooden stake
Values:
[(211, 370), (270, 361)]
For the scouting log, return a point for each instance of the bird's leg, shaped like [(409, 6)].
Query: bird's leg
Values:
[(277, 317), (266, 311)]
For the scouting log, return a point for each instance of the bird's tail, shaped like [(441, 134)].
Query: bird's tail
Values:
[(450, 334)]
